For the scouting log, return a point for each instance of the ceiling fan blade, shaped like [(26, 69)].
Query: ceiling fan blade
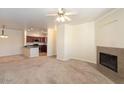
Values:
[(52, 14), (67, 18), (70, 13)]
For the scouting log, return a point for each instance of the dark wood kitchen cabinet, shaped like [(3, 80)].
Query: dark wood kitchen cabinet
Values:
[(43, 48), (39, 39)]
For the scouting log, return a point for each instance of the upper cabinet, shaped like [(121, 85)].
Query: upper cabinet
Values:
[(35, 35), (30, 39)]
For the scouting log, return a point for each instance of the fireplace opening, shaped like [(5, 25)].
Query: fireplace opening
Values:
[(109, 61)]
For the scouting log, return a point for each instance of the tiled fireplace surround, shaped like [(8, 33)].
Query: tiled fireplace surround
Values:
[(119, 52)]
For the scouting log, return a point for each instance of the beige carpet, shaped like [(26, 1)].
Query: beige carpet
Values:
[(48, 70)]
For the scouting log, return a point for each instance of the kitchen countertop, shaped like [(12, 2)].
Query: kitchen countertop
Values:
[(36, 43), (31, 46)]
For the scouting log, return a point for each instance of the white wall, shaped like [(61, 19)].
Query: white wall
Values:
[(77, 42), (63, 42), (110, 29), (60, 42), (13, 44), (68, 42), (83, 42), (51, 42)]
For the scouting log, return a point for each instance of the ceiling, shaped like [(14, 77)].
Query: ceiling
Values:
[(36, 17)]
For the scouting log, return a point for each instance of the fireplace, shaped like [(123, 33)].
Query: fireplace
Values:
[(109, 61)]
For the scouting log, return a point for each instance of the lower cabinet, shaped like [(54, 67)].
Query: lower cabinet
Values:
[(31, 51), (43, 48)]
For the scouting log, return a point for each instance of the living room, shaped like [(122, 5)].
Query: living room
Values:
[(61, 46), (91, 39)]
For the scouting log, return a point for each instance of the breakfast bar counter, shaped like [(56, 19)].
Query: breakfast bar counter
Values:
[(31, 51)]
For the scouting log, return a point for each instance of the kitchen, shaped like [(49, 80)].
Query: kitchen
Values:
[(35, 42)]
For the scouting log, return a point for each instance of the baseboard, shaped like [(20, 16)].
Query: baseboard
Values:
[(11, 55), (62, 59), (51, 55), (81, 59)]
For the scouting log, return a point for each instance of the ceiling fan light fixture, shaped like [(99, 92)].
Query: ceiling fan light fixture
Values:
[(62, 19), (62, 15)]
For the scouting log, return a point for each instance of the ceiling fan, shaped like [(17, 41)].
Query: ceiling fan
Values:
[(62, 15)]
